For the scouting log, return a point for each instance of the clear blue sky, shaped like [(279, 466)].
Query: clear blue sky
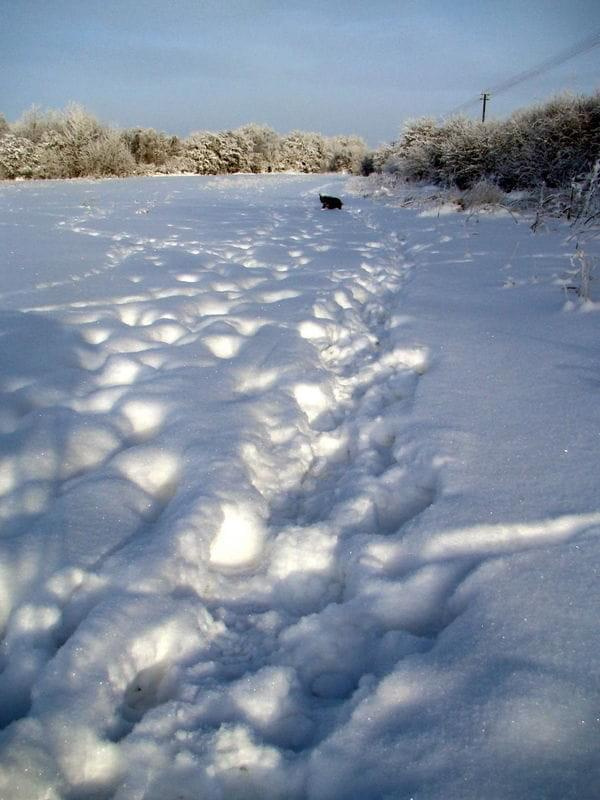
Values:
[(335, 66)]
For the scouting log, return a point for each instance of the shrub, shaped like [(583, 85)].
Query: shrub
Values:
[(416, 155), (34, 124), (235, 151), (263, 144), (367, 165), (482, 193), (302, 152), (17, 157), (177, 165), (551, 144), (148, 146), (346, 153), (218, 153), (107, 155), (64, 150), (465, 152)]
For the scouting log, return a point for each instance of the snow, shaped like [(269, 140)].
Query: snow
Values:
[(295, 503)]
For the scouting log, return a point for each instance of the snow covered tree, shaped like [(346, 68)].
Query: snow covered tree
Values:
[(148, 146), (302, 151), (17, 157), (264, 145), (34, 124), (346, 153), (108, 155), (64, 148), (221, 153), (235, 151), (203, 149), (78, 145), (417, 154), (464, 152)]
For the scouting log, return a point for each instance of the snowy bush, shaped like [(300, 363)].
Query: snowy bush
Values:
[(482, 193), (66, 149), (258, 148), (367, 165), (51, 162), (346, 153), (148, 146), (558, 140), (78, 131), (17, 157), (235, 151), (301, 151), (218, 153), (416, 155), (549, 144), (466, 152), (264, 146), (177, 165), (457, 153), (73, 144), (34, 124), (108, 155), (202, 150)]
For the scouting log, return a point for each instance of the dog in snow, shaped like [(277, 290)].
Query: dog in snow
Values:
[(330, 202)]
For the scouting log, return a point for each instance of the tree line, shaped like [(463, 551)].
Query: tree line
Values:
[(553, 144), (72, 143)]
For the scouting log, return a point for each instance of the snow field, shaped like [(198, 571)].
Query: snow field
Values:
[(294, 502), (192, 453)]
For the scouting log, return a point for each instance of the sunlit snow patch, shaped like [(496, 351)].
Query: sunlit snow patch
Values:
[(222, 339), (239, 541), (119, 370), (311, 329), (153, 469), (145, 416), (312, 400), (416, 358), (223, 346)]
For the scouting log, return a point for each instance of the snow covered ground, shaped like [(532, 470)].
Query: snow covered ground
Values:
[(295, 503)]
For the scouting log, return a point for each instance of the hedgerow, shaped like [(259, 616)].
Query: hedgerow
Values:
[(73, 143), (551, 144)]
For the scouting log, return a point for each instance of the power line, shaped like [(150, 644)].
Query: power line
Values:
[(584, 46)]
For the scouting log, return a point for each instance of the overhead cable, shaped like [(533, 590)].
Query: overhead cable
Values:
[(584, 46)]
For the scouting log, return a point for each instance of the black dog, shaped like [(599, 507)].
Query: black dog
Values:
[(330, 202)]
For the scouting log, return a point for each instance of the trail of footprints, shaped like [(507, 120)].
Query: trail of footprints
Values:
[(363, 479)]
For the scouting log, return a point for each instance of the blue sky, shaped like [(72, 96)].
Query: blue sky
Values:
[(333, 66)]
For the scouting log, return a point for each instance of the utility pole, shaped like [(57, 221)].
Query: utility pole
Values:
[(485, 96)]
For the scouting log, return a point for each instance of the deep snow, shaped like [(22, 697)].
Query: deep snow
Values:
[(295, 503)]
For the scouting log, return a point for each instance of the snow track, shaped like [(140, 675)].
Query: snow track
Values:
[(215, 450), (214, 467)]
